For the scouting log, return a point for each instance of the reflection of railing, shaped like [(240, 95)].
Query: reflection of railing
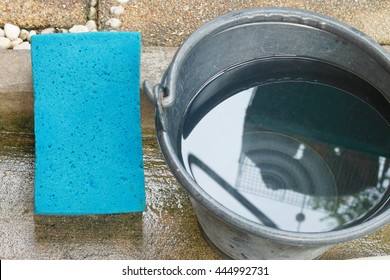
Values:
[(249, 180), (193, 160), (351, 180), (345, 209), (344, 185)]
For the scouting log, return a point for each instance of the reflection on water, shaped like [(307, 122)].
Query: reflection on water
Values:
[(295, 153)]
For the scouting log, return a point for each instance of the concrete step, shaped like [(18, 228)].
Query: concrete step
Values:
[(169, 23), (16, 90), (44, 13)]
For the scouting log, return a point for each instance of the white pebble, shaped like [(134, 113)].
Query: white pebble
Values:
[(91, 25), (2, 33), (23, 46), (23, 34), (49, 30), (123, 1), (117, 10), (11, 31), (93, 3), (114, 22), (78, 29), (92, 13), (32, 33), (5, 43), (16, 42)]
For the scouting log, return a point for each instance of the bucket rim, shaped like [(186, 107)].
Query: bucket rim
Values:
[(284, 15)]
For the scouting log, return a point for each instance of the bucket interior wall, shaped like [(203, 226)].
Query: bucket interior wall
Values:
[(238, 42)]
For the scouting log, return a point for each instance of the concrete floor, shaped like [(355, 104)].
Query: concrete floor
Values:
[(168, 229)]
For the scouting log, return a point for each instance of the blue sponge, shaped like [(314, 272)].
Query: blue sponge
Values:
[(87, 123)]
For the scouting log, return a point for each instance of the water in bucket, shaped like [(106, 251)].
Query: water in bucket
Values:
[(292, 143)]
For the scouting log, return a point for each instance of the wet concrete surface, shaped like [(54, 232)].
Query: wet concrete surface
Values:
[(166, 230)]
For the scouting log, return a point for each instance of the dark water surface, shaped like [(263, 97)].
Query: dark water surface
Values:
[(292, 143)]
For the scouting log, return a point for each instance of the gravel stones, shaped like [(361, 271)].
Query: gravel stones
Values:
[(31, 33), (49, 30), (117, 10), (91, 25), (5, 43), (16, 42), (11, 31), (114, 23), (78, 29), (24, 34), (92, 13), (12, 37), (23, 46), (43, 17)]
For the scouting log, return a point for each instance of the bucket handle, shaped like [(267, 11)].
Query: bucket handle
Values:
[(152, 91), (155, 94)]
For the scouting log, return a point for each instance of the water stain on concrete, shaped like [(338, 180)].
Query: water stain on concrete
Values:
[(166, 230)]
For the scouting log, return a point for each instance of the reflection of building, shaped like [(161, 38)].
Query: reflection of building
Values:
[(344, 131)]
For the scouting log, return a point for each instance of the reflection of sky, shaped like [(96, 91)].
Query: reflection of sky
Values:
[(223, 127), (217, 139)]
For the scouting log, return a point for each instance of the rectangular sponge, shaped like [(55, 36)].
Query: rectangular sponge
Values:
[(87, 123)]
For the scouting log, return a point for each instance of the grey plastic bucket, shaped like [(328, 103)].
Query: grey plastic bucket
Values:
[(242, 36)]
